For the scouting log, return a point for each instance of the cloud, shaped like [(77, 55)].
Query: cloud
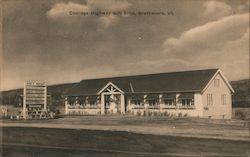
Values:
[(110, 5), (210, 36), (106, 21), (71, 13), (216, 9), (223, 43), (62, 10)]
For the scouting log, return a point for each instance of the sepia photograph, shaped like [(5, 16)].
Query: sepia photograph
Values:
[(124, 78)]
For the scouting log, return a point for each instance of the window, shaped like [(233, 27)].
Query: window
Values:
[(209, 99), (223, 99), (187, 102), (216, 82), (169, 102), (71, 100), (136, 102), (152, 102), (82, 100)]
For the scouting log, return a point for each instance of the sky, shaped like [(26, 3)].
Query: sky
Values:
[(60, 41)]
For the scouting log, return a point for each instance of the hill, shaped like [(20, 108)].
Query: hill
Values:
[(240, 98), (55, 92)]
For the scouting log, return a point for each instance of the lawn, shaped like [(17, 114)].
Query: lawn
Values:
[(35, 142), (188, 127)]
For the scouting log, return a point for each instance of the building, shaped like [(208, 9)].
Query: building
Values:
[(200, 93), (34, 100)]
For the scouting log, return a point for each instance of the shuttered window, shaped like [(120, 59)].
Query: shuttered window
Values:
[(223, 99), (209, 99)]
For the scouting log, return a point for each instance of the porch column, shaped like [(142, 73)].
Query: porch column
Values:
[(177, 101), (66, 106), (45, 98), (160, 103), (102, 104), (122, 104), (24, 102), (144, 101)]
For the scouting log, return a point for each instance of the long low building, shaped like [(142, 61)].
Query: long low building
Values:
[(200, 93)]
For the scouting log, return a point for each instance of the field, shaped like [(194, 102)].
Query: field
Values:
[(35, 142), (125, 136)]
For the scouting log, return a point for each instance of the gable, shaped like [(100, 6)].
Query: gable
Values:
[(218, 81), (110, 88)]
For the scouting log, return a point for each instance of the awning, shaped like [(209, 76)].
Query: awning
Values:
[(186, 96), (136, 97), (82, 98), (152, 96), (93, 97), (169, 96), (72, 98)]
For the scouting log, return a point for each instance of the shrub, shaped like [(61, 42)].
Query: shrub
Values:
[(158, 113), (171, 115), (149, 113), (241, 115), (138, 113), (166, 114), (179, 114), (155, 113)]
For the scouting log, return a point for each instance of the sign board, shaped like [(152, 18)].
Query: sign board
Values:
[(34, 96)]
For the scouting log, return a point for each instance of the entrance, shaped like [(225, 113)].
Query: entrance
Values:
[(112, 100), (112, 103)]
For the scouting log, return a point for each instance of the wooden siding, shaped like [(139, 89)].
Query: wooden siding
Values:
[(217, 109)]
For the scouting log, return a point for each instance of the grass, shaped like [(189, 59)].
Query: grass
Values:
[(77, 142), (194, 127)]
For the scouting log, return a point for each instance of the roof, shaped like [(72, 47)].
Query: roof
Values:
[(183, 81)]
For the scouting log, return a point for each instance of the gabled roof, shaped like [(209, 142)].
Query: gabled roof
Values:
[(183, 81)]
